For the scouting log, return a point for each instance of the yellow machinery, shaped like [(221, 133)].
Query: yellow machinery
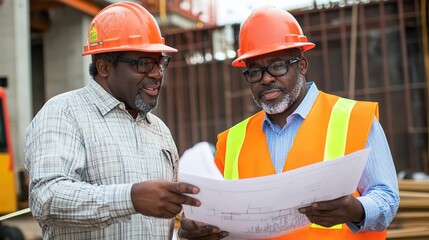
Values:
[(8, 201), (8, 196)]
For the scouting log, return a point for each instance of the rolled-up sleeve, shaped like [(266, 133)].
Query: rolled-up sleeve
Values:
[(378, 185)]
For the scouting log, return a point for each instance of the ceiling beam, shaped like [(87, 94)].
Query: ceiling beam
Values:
[(43, 5), (86, 7)]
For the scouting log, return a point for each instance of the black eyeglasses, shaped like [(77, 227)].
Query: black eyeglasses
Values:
[(275, 69), (146, 64)]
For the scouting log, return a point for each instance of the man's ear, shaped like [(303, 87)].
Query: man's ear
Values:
[(303, 66), (102, 67)]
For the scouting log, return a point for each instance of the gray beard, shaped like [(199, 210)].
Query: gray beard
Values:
[(144, 106), (287, 100)]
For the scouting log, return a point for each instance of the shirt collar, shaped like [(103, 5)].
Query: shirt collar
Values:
[(304, 107), (106, 102), (307, 103), (102, 100)]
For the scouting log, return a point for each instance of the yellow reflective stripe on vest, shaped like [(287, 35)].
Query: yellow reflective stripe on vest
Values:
[(234, 142), (338, 126), (336, 136)]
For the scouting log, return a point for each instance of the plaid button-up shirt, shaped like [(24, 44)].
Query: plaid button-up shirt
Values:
[(83, 152)]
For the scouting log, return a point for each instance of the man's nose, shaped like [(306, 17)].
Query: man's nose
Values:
[(156, 72)]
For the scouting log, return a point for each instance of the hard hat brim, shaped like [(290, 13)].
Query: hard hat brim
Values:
[(133, 48), (239, 62)]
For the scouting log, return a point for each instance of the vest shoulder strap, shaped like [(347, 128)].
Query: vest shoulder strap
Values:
[(234, 142)]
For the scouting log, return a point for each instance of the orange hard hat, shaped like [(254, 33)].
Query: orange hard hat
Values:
[(269, 29), (124, 26)]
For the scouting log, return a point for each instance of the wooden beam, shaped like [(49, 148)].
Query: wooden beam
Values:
[(39, 20), (414, 185), (407, 233), (38, 5), (412, 215), (86, 7), (413, 194), (413, 203)]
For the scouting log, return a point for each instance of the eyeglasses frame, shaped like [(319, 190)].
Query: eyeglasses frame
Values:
[(136, 61), (266, 69)]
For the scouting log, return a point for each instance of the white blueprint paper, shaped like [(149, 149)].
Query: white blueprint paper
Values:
[(266, 207), (199, 161)]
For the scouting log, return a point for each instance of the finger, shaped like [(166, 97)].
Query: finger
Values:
[(323, 220), (179, 199), (181, 187), (324, 206), (332, 204), (305, 210), (212, 236), (315, 215), (189, 225), (186, 200), (191, 229), (316, 206), (184, 188), (172, 209), (201, 232)]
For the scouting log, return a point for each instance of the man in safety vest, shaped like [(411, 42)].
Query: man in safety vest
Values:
[(300, 125)]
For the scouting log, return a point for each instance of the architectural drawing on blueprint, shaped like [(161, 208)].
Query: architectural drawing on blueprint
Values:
[(263, 220)]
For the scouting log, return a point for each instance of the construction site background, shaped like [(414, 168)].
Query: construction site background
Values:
[(366, 50)]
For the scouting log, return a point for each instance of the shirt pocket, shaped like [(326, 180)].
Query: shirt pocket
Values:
[(105, 163), (170, 165)]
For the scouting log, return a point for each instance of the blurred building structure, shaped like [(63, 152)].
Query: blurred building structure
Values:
[(373, 50)]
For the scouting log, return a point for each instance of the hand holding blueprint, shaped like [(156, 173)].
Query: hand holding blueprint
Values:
[(267, 207)]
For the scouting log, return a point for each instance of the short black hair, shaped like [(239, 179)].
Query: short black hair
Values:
[(111, 57), (296, 52)]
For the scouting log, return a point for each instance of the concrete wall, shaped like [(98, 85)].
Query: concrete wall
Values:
[(15, 64), (65, 68)]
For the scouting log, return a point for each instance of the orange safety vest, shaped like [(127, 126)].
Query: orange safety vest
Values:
[(334, 127)]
